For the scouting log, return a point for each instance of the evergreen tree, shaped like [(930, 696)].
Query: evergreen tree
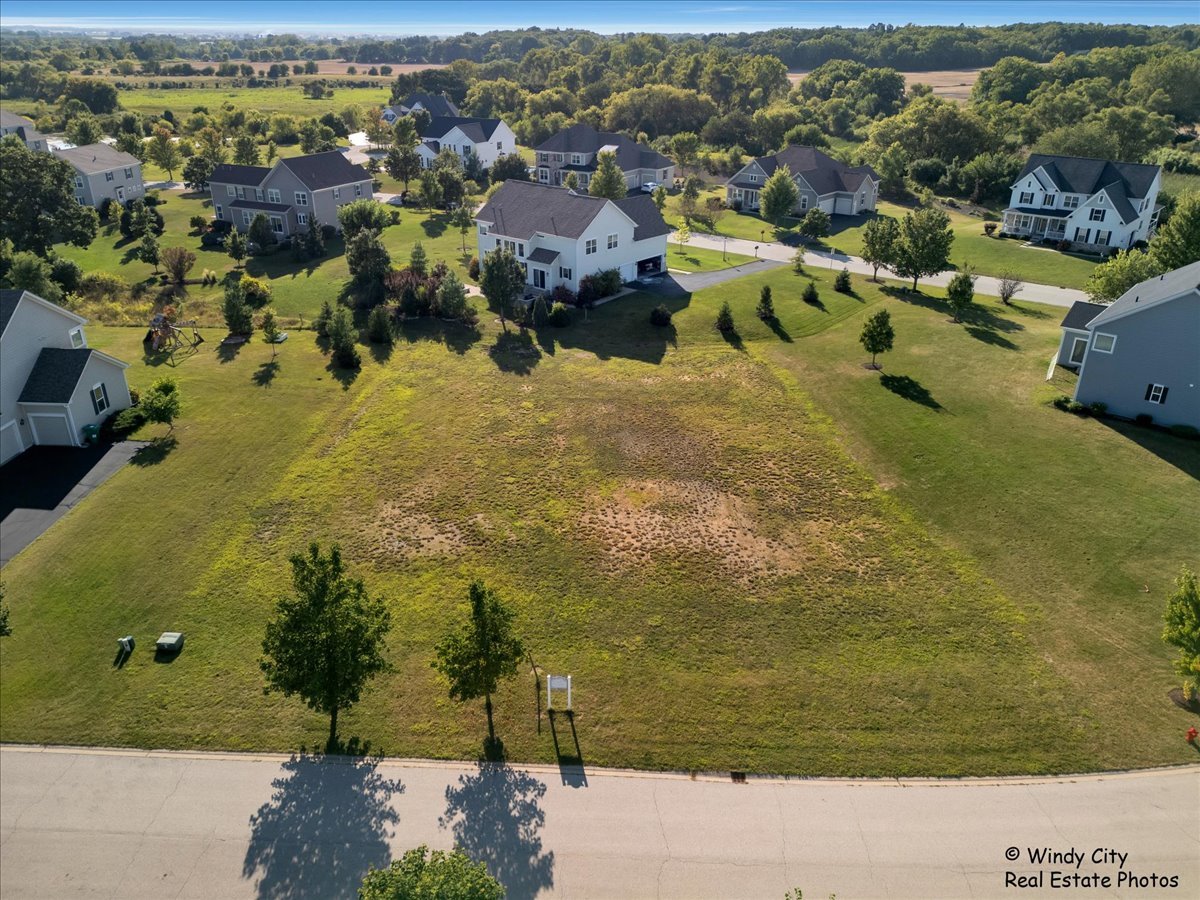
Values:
[(148, 251), (725, 319), (417, 260), (608, 180), (314, 240), (236, 248), (766, 307), (779, 196), (960, 293)]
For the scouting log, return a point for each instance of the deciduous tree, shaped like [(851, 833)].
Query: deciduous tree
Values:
[(924, 245), (437, 875), (1123, 270), (779, 196), (37, 196), (1178, 241), (880, 237), (877, 334), (1182, 628), (178, 261), (502, 280), (960, 293), (327, 640)]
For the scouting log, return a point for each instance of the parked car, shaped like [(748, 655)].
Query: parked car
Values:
[(649, 187)]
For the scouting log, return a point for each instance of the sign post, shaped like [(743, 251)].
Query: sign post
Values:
[(557, 683)]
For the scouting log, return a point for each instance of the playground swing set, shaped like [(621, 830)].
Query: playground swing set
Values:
[(167, 336)]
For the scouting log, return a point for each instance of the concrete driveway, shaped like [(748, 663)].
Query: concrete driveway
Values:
[(43, 483), (133, 824)]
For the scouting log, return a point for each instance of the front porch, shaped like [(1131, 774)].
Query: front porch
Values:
[(1035, 226)]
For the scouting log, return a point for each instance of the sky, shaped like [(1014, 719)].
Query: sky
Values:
[(374, 17)]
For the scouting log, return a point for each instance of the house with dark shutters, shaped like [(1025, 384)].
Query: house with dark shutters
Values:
[(484, 139), (822, 182), (291, 193), (1141, 354), (576, 149), (1092, 203), (437, 105)]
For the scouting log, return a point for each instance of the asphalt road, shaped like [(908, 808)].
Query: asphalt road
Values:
[(134, 824)]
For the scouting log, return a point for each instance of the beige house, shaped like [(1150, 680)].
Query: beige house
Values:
[(103, 171), (11, 123), (822, 182), (52, 385)]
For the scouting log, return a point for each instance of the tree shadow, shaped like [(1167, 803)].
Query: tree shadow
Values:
[(990, 337), (228, 352), (982, 316), (546, 338), (435, 225), (154, 452), (818, 303), (570, 757), (495, 817), (265, 373), (732, 338), (381, 351), (622, 329), (328, 821), (457, 336), (780, 332), (910, 389), (342, 375), (514, 351)]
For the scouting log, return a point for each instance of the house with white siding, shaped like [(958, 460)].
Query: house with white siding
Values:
[(560, 235), (484, 139), (11, 123), (821, 182), (52, 385), (1094, 204), (434, 104)]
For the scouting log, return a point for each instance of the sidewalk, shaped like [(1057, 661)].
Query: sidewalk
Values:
[(833, 259)]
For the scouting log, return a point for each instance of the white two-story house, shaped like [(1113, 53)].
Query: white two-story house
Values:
[(434, 104), (102, 171), (485, 139), (575, 150), (822, 181), (561, 235), (52, 385), (291, 194), (1093, 203)]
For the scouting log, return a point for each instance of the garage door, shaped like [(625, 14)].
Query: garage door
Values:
[(51, 428), (10, 442)]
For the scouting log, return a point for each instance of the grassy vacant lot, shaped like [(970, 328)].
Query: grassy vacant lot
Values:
[(269, 100), (698, 259), (951, 84), (300, 289), (751, 555)]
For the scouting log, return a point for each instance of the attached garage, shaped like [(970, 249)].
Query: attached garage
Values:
[(52, 429), (10, 441)]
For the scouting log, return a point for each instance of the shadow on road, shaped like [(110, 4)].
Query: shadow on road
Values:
[(570, 757), (327, 823), (495, 817)]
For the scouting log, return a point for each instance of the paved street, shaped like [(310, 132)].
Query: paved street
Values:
[(134, 824), (831, 259)]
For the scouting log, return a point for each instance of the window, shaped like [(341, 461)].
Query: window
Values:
[(804, 201), (77, 340), (258, 195), (129, 173), (1100, 200), (337, 193), (1082, 235), (1096, 215), (543, 175), (1142, 205), (1048, 200), (558, 157), (1102, 238), (543, 157), (108, 176), (273, 195), (99, 397), (577, 159), (499, 145), (1078, 349), (612, 242), (78, 181), (231, 190), (245, 217), (483, 229), (1104, 343), (1156, 393), (277, 224), (358, 190), (219, 215), (301, 218), (564, 274), (301, 198), (1026, 197), (1070, 201), (590, 247), (754, 178), (241, 193)]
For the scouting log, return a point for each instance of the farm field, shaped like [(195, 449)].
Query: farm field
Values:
[(269, 100), (751, 554), (951, 84)]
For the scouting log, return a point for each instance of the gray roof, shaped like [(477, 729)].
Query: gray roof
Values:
[(1145, 294), (1080, 313), (55, 375), (325, 170), (436, 104), (583, 138), (825, 174), (648, 221), (249, 203), (228, 173), (9, 298), (1080, 175), (12, 120), (543, 255), (478, 130), (520, 209), (93, 158), (1044, 213)]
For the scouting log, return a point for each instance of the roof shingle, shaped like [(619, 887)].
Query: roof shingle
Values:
[(55, 375)]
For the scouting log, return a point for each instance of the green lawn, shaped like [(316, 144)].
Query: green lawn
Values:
[(698, 259), (300, 289), (269, 100), (750, 554), (972, 248)]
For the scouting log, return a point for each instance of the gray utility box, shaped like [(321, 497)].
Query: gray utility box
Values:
[(169, 642)]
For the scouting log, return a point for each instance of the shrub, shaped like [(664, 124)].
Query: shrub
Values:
[(197, 223), (255, 292), (321, 322), (66, 274), (473, 268), (1063, 245), (989, 228), (841, 283), (810, 294), (102, 286), (1062, 401), (608, 282), (220, 226), (725, 319), (539, 313), (1186, 431), (1144, 419), (563, 294), (238, 318), (106, 208), (660, 316), (588, 290), (120, 425), (414, 300), (342, 337), (329, 232), (1098, 409), (1077, 408), (394, 217), (560, 316), (379, 325)]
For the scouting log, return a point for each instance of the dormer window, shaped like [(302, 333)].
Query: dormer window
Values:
[(577, 159), (1048, 200), (754, 178)]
